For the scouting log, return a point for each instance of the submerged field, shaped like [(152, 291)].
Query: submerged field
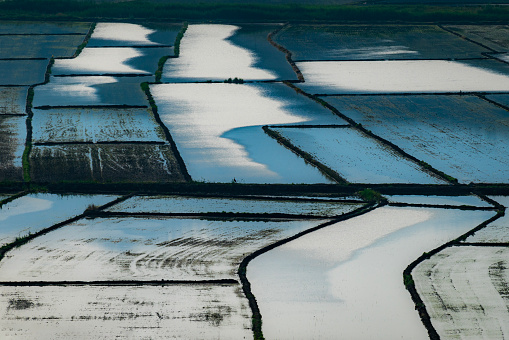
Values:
[(234, 193)]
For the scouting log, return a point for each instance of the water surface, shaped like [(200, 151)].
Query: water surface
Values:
[(345, 281)]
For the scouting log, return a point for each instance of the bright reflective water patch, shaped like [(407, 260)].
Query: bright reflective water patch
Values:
[(95, 125), (358, 42), (22, 72), (439, 200), (356, 157), (111, 61), (34, 212), (179, 204), (217, 128), (206, 53), (13, 100), (198, 311), (464, 136), (410, 76), (497, 231), (345, 281), (13, 132), (108, 33), (125, 34), (464, 290), (126, 162), (91, 90), (145, 249), (39, 46)]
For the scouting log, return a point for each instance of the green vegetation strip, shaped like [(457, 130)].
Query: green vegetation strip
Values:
[(286, 52), (328, 172), (410, 284), (157, 10), (183, 169), (242, 272), (85, 41)]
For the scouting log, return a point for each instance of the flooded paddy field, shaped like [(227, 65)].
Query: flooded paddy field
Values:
[(355, 270), (465, 292), (111, 34), (268, 205), (65, 125), (219, 52), (145, 248), (168, 259), (198, 311), (14, 72), (464, 136), (91, 91), (362, 42), (12, 144), (428, 76), (30, 27), (356, 157), (39, 46), (34, 212), (129, 162), (13, 100), (112, 61), (493, 36), (472, 201), (219, 132), (495, 232)]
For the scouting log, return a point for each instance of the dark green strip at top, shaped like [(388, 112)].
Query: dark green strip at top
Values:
[(133, 10)]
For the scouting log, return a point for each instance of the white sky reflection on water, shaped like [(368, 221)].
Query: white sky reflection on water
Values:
[(109, 60), (129, 33), (200, 116), (206, 54), (429, 76), (345, 281)]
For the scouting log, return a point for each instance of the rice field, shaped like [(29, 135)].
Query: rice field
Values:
[(104, 163), (464, 136), (30, 27), (473, 201), (217, 129), (141, 249), (495, 232), (493, 36), (12, 144), (198, 311), (39, 46), (168, 261), (345, 280), (355, 157), (465, 292), (362, 42), (13, 100), (65, 125), (14, 72), (275, 205), (112, 61), (31, 213), (110, 34), (219, 52), (385, 77), (91, 91)]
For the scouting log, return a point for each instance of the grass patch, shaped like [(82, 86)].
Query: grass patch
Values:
[(370, 195), (79, 10), (180, 35)]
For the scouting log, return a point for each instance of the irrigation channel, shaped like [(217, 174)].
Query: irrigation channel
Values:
[(253, 181)]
